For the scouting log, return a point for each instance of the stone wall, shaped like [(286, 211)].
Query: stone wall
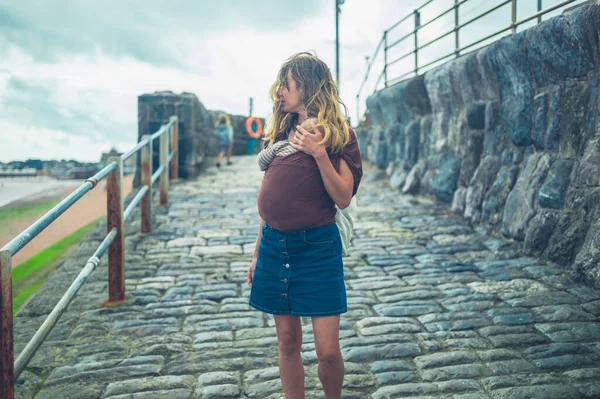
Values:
[(509, 135), (197, 140)]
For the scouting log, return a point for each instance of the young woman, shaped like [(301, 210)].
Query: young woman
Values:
[(224, 133), (297, 268)]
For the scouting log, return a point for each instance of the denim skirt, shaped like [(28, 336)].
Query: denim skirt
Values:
[(299, 273)]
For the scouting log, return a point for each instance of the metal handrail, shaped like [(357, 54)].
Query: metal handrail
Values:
[(488, 11), (418, 28), (371, 63), (458, 50), (134, 150), (113, 242), (159, 132), (62, 305), (409, 15), (157, 173), (134, 202), (17, 243)]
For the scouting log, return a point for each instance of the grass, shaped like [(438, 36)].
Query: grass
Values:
[(30, 275), (11, 214)]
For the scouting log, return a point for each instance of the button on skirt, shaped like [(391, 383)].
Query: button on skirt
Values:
[(299, 273)]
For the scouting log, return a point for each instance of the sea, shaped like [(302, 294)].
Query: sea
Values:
[(21, 188)]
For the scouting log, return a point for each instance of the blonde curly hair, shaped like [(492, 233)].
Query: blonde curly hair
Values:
[(320, 97), (223, 118)]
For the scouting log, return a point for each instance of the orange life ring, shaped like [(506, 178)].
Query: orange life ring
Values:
[(254, 127)]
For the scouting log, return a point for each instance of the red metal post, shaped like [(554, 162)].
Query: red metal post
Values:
[(456, 29), (116, 250), (7, 350), (385, 58), (416, 31), (513, 16), (146, 203), (164, 161), (174, 167)]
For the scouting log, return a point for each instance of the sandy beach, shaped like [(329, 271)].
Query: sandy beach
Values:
[(12, 190), (89, 208)]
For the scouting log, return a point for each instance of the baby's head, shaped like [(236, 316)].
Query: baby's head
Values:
[(308, 124)]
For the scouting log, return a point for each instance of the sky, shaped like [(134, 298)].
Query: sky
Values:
[(71, 70)]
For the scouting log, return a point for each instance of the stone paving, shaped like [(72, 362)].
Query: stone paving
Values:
[(438, 309)]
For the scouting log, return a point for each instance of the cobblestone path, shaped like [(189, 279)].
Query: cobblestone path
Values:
[(438, 309)]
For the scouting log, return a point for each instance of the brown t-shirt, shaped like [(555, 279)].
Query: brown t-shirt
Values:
[(293, 195)]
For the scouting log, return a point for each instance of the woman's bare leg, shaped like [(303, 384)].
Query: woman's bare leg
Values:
[(229, 149), (327, 346), (291, 368)]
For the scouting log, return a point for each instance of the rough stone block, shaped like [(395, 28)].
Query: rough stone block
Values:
[(480, 183), (381, 151), (397, 142), (469, 148), (540, 104), (459, 200), (560, 42), (538, 233), (520, 205), (509, 62), (588, 172), (411, 153), (553, 191), (495, 134), (555, 113), (573, 225), (446, 178), (476, 116), (491, 117), (413, 179), (587, 262), (398, 179), (574, 124)]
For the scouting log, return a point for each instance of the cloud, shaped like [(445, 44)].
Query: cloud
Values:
[(71, 71), (44, 143), (147, 30)]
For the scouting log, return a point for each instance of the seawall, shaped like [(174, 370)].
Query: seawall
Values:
[(509, 135)]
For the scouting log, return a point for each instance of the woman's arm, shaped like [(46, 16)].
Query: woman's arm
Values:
[(260, 225), (255, 256), (338, 185)]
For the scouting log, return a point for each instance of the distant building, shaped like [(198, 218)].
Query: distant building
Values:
[(129, 164), (82, 172), (107, 155), (26, 172)]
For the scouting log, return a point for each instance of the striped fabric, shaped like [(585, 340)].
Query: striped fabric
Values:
[(279, 149)]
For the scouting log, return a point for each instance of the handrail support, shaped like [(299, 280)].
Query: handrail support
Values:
[(174, 167), (114, 220), (164, 162), (385, 58), (417, 24), (456, 30), (7, 348), (513, 18), (146, 180)]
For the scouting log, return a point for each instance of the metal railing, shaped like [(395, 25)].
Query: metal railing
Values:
[(10, 370), (457, 51)]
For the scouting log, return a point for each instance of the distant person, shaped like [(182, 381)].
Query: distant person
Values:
[(297, 268), (224, 133)]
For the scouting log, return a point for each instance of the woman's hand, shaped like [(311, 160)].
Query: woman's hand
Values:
[(308, 142), (251, 271)]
